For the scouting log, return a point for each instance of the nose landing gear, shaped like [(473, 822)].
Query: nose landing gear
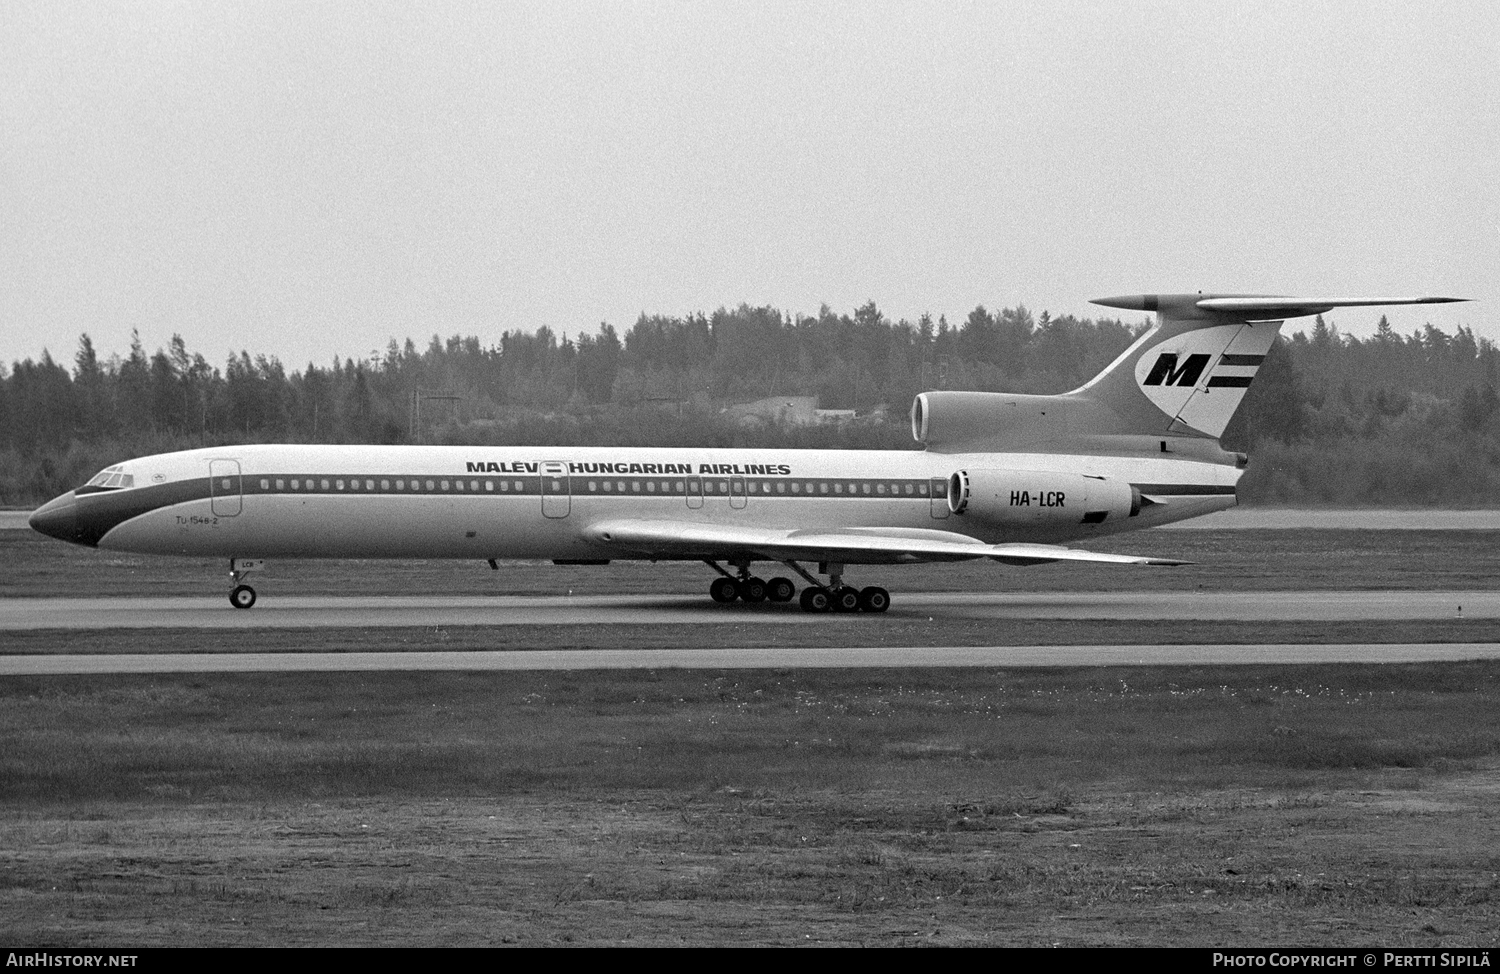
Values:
[(242, 596)]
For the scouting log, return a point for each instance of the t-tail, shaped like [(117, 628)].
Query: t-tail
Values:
[(1173, 391)]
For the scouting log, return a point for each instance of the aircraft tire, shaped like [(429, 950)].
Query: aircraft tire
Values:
[(723, 590), (752, 589), (780, 589), (242, 597), (874, 599), (816, 599), (846, 599)]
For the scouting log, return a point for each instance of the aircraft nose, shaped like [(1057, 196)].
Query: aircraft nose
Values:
[(58, 518)]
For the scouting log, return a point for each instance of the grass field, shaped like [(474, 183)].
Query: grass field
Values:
[(1212, 806)]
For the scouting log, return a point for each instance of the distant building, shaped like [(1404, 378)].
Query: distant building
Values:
[(778, 410)]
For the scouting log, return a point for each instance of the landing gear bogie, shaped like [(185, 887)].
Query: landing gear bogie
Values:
[(752, 589), (780, 589), (846, 599), (815, 598)]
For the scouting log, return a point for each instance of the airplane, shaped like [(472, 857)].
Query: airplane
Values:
[(1009, 478)]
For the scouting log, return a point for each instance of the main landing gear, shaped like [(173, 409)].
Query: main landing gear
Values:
[(748, 588), (243, 596), (817, 597)]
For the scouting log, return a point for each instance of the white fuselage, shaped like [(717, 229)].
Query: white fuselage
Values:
[(535, 503)]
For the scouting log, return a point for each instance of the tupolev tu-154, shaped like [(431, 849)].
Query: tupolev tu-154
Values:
[(1012, 478)]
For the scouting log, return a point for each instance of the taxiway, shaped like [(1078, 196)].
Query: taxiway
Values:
[(284, 612)]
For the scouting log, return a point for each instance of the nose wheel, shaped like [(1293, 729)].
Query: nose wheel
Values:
[(242, 596)]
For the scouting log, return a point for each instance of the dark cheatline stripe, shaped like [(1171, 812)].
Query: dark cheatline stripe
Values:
[(1230, 381), (1246, 360), (100, 513), (1183, 490)]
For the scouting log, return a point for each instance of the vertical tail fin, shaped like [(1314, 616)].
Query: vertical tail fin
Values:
[(1182, 380), (1189, 373)]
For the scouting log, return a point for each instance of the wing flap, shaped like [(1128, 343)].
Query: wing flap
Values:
[(857, 545)]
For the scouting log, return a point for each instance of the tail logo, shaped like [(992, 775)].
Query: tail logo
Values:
[(1167, 370), (1199, 378)]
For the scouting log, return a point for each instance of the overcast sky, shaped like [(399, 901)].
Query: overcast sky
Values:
[(313, 179)]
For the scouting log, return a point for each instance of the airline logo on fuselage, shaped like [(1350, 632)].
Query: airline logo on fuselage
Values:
[(578, 466)]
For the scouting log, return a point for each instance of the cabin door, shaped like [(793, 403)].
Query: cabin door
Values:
[(557, 493), (937, 492), (224, 487)]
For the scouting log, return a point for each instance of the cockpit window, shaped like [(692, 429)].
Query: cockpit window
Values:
[(112, 478)]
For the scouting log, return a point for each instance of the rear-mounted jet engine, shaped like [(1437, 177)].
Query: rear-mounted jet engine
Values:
[(1025, 497)]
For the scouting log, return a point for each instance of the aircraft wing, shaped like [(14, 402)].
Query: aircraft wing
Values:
[(850, 545)]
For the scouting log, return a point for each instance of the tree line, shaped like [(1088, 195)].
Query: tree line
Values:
[(1331, 418)]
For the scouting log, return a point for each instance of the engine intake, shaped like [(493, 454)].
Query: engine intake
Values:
[(1029, 497)]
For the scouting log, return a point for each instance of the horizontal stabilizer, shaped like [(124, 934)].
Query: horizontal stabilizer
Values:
[(1248, 307)]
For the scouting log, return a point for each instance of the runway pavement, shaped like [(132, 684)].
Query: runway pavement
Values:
[(764, 658), (282, 612)]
